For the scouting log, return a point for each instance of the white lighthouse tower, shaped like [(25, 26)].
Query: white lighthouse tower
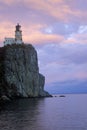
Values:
[(18, 35), (17, 39)]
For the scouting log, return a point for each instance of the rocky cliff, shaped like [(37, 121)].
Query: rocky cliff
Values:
[(19, 72)]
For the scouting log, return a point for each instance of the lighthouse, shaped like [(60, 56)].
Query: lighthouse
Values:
[(17, 39), (18, 34)]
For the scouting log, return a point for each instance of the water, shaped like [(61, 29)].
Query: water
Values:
[(57, 113)]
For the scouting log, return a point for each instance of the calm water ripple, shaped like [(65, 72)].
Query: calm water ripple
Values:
[(57, 113)]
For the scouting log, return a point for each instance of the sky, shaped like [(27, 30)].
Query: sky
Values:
[(58, 31)]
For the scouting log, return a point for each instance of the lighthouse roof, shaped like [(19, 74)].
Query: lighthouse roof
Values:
[(18, 27)]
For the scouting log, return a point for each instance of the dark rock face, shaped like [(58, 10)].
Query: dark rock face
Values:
[(19, 72)]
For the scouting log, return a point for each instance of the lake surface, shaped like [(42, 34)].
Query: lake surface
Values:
[(57, 113)]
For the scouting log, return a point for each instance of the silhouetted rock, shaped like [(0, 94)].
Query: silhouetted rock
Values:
[(62, 96)]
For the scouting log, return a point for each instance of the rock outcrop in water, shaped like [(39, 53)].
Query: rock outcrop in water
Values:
[(19, 72)]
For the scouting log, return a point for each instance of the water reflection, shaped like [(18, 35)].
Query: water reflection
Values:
[(21, 114), (69, 113)]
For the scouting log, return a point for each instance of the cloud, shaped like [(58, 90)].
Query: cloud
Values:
[(64, 53), (82, 29), (6, 30), (45, 21), (39, 38), (57, 10), (61, 72), (8, 2), (61, 28), (78, 38), (60, 62), (31, 33)]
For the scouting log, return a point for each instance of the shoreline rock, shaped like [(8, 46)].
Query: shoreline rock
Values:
[(19, 72)]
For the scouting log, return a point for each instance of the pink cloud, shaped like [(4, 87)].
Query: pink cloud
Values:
[(57, 9), (81, 75), (38, 38), (31, 35), (6, 30), (63, 72), (8, 2), (76, 38)]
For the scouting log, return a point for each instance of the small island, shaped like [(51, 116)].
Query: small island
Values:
[(19, 71)]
